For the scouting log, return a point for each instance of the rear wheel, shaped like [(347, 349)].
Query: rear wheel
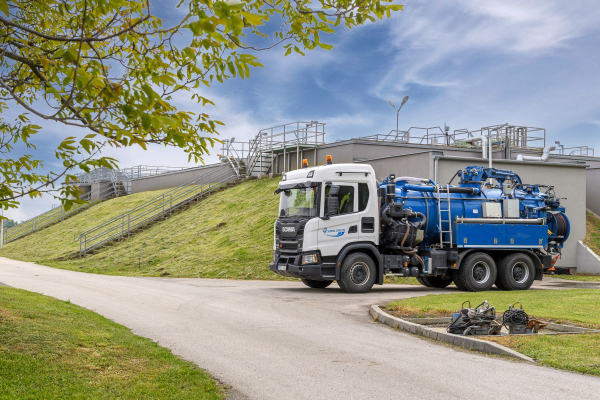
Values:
[(316, 284), (423, 281), (358, 273), (515, 272), (434, 281), (477, 273)]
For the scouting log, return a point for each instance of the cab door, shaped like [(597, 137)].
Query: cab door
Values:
[(337, 231)]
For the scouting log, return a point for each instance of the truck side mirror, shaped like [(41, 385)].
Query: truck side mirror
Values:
[(332, 202)]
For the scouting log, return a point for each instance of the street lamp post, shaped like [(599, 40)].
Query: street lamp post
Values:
[(404, 100)]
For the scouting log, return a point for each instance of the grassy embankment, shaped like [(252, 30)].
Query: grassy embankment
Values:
[(52, 349), (580, 353), (227, 235)]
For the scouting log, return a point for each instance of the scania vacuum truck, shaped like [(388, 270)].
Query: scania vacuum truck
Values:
[(338, 223)]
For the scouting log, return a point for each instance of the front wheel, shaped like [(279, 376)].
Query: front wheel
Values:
[(316, 284), (477, 273), (358, 273), (515, 272), (434, 281)]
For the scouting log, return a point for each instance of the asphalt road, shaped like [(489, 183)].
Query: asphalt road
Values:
[(280, 340)]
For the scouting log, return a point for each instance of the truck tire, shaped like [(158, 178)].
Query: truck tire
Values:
[(434, 281), (477, 273), (316, 284), (515, 272), (423, 281), (358, 273)]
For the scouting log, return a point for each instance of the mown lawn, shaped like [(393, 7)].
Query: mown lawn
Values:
[(51, 349), (579, 278), (580, 353)]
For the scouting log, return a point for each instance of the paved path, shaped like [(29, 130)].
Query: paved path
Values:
[(280, 340)]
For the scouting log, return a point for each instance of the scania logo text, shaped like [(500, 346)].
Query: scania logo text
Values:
[(288, 229)]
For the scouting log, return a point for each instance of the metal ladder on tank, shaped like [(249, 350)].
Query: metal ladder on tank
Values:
[(444, 212)]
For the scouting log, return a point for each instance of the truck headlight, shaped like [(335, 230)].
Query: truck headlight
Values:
[(312, 258)]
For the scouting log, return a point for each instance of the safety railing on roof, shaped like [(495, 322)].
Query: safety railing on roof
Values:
[(426, 136), (585, 151), (259, 154), (56, 214), (519, 137), (160, 206)]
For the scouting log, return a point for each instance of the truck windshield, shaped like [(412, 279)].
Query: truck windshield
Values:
[(299, 202)]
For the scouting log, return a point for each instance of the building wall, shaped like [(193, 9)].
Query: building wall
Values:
[(569, 180), (174, 179), (593, 189), (417, 164)]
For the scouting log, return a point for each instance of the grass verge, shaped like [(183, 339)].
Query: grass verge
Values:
[(579, 353), (579, 278), (52, 349)]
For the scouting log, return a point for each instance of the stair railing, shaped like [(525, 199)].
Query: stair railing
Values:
[(155, 208)]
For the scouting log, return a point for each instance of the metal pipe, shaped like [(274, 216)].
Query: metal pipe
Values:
[(518, 221)]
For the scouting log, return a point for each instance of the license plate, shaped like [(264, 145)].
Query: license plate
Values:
[(281, 267)]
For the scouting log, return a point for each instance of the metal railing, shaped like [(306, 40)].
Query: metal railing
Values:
[(56, 214), (123, 176), (427, 136), (163, 205), (519, 137), (259, 154), (576, 151)]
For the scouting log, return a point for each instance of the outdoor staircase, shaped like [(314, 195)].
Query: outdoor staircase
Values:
[(57, 214), (156, 209), (259, 156)]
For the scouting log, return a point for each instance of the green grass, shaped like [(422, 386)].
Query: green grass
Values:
[(580, 278), (580, 353), (592, 238), (57, 240), (52, 349), (227, 235)]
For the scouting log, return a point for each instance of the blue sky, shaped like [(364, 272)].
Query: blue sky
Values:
[(467, 63)]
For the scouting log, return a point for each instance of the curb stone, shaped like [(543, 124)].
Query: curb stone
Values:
[(457, 340)]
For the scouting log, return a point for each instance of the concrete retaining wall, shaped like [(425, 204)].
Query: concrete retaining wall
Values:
[(176, 178), (593, 190), (588, 262)]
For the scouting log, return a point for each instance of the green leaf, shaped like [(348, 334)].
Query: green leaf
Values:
[(4, 6), (146, 121)]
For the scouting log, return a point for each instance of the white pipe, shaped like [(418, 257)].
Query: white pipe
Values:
[(411, 179), (544, 157)]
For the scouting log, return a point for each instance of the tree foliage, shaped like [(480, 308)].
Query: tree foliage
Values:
[(113, 67)]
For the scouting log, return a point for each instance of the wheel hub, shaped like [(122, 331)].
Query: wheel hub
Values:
[(359, 273), (520, 272), (481, 272)]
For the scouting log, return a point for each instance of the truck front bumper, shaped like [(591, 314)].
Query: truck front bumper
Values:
[(316, 272)]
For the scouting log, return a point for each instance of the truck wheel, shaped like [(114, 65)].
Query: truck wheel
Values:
[(477, 273), (358, 273), (515, 272), (423, 281), (434, 281), (438, 282), (316, 284)]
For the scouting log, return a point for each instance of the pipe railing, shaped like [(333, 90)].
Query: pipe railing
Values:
[(157, 207), (54, 215)]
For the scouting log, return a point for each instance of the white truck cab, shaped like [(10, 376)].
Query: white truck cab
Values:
[(323, 212)]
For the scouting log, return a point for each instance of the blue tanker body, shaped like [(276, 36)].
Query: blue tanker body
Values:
[(441, 225)]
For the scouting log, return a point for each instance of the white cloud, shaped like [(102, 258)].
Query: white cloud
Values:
[(435, 35)]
